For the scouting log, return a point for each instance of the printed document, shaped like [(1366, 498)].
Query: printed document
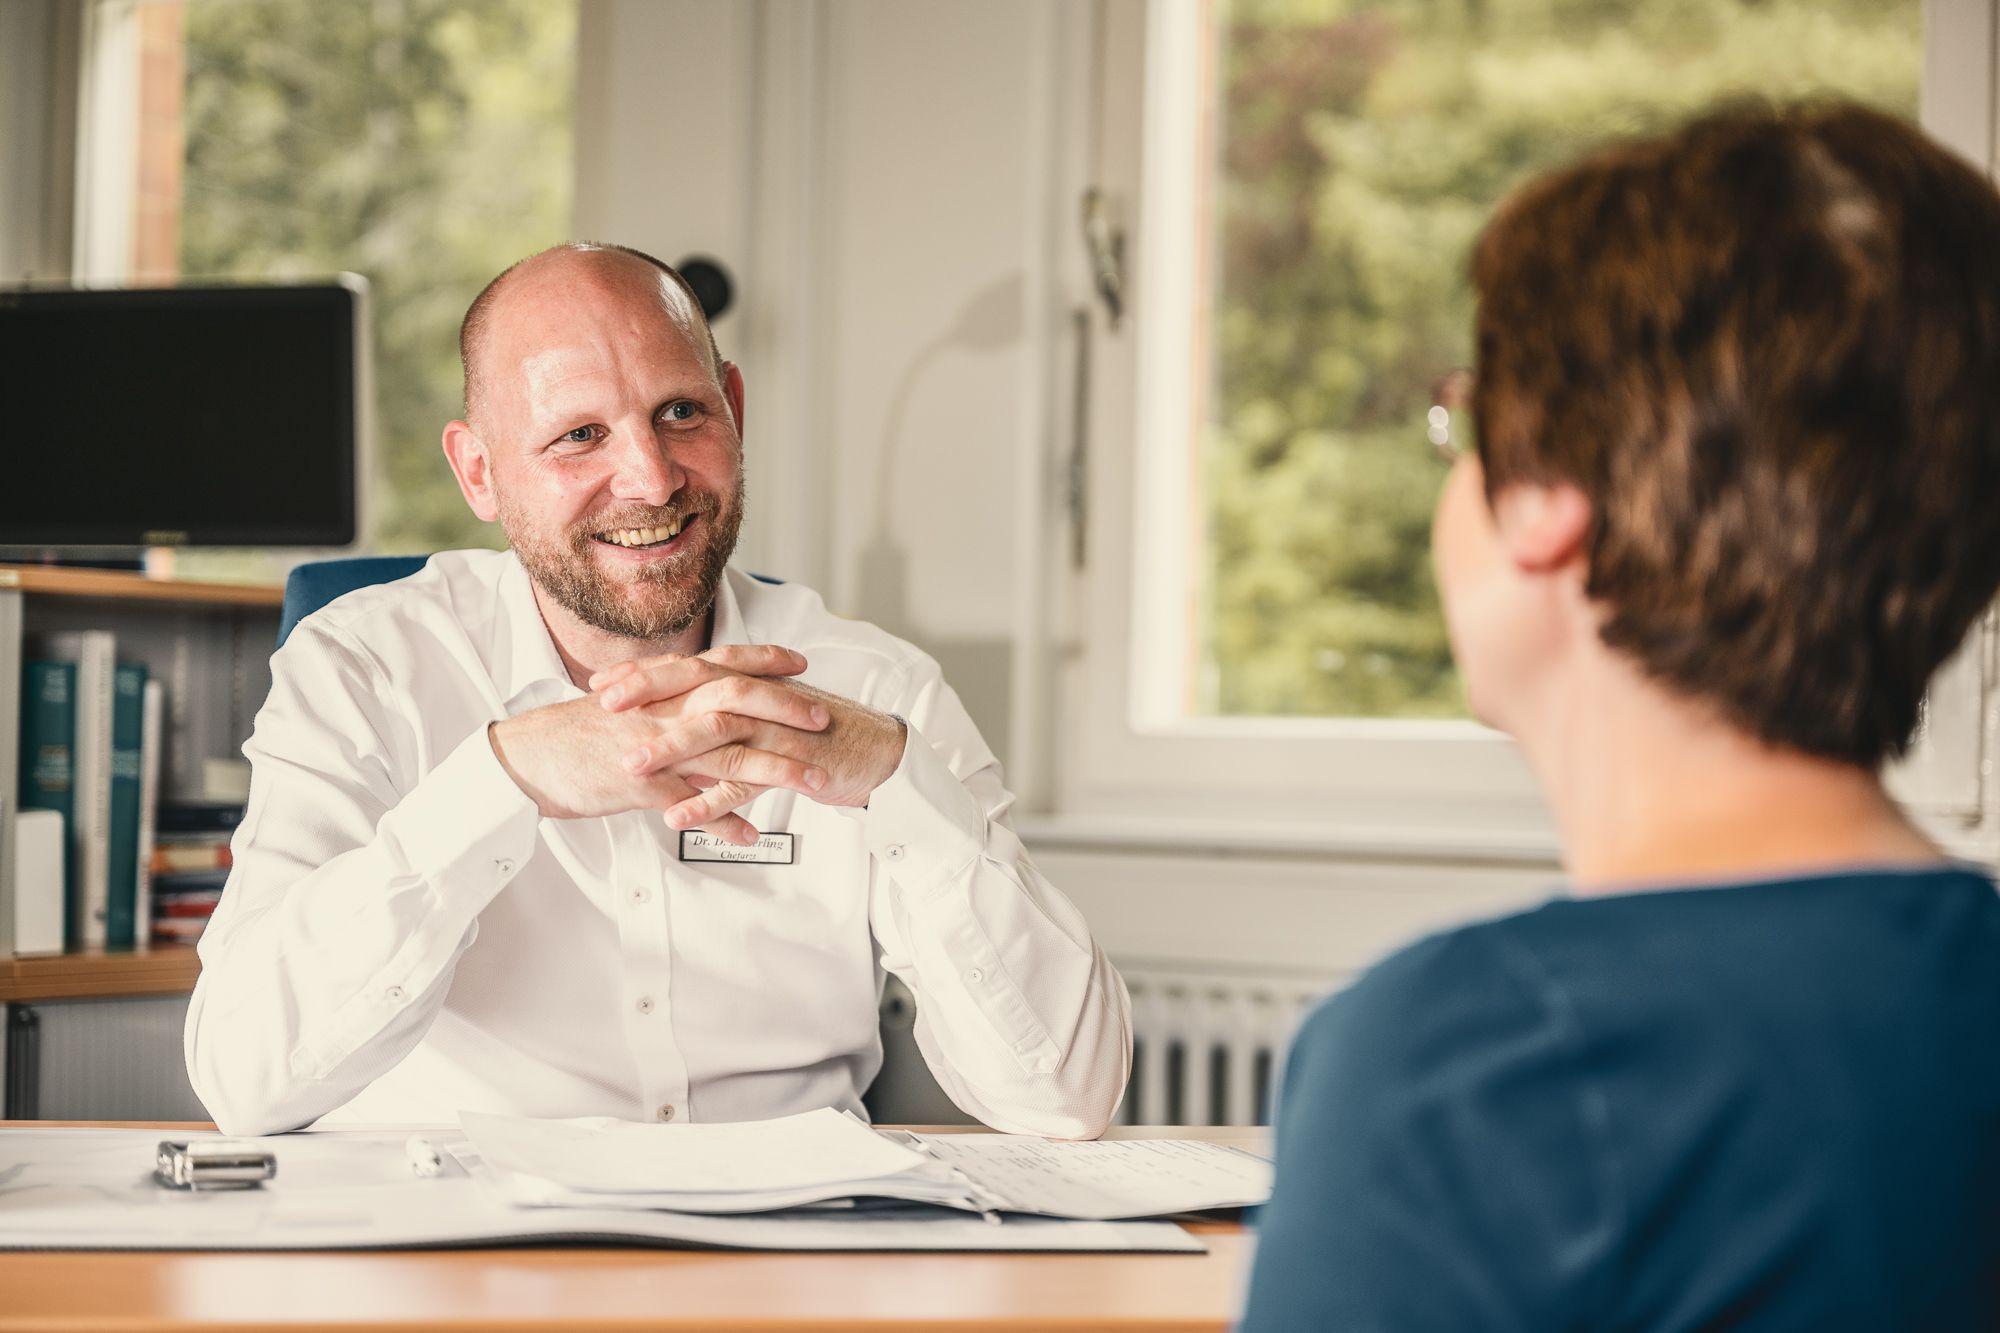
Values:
[(1104, 1179), (824, 1155)]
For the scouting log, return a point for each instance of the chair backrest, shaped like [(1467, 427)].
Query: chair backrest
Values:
[(312, 586)]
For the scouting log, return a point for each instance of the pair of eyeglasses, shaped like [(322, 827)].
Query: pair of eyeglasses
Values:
[(1451, 404)]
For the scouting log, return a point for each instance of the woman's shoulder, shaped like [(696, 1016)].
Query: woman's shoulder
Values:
[(1472, 987), (1545, 980)]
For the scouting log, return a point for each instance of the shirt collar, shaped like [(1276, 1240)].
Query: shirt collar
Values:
[(527, 669), (730, 626)]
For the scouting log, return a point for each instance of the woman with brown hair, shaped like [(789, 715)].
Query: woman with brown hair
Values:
[(1737, 408)]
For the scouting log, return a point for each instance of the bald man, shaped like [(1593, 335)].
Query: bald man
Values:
[(602, 826)]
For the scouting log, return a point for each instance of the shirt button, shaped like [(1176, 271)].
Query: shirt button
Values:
[(894, 851), (394, 995), (975, 976), (504, 866), (666, 1112), (637, 896), (645, 1005)]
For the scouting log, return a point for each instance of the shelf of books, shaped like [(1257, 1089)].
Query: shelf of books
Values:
[(157, 970), (124, 704)]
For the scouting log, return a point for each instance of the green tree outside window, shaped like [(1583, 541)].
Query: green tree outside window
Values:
[(425, 144), (1362, 146)]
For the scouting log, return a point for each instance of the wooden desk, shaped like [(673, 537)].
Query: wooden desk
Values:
[(576, 1289)]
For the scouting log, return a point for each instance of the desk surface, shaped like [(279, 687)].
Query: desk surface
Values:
[(577, 1289)]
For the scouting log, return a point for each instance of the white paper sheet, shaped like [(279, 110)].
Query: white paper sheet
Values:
[(92, 1189), (931, 1183), (1106, 1179), (766, 1165), (820, 1147)]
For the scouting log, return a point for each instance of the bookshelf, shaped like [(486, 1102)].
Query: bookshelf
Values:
[(105, 585), (210, 644), (161, 970)]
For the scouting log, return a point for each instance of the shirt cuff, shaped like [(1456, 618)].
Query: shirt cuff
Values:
[(922, 823), (465, 822)]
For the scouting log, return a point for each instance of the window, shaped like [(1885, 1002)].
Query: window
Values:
[(424, 144), (1302, 181), (1352, 153)]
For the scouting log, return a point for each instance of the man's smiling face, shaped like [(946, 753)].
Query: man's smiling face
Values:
[(612, 440)]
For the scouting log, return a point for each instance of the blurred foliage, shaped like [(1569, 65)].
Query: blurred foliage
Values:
[(425, 144), (1362, 146)]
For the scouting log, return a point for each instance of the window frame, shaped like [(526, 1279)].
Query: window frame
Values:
[(107, 147), (1123, 754)]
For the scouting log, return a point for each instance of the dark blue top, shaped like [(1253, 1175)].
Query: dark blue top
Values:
[(1771, 1106)]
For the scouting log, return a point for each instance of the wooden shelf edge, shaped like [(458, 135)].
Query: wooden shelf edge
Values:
[(165, 970), (126, 586)]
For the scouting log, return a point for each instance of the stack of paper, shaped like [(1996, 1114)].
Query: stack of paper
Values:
[(823, 1156), (751, 1167)]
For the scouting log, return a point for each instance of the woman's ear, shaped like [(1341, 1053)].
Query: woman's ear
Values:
[(1542, 528)]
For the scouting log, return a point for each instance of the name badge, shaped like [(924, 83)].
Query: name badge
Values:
[(770, 849)]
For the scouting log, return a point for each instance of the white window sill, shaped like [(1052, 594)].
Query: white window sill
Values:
[(1286, 840), (1317, 841)]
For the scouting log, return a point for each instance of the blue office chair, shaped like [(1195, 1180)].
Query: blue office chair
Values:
[(312, 586)]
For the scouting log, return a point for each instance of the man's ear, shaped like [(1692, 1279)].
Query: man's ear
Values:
[(473, 467), (732, 389), (1542, 528)]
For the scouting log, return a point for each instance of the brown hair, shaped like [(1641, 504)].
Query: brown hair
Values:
[(1767, 348)]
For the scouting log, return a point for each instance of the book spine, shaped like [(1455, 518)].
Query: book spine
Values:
[(128, 699), (151, 728), (190, 904), (10, 744), (202, 819), (39, 838), (95, 653), (189, 881), (48, 767), (171, 857)]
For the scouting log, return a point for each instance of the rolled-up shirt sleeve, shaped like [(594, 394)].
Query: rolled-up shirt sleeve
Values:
[(1021, 1017), (355, 888)]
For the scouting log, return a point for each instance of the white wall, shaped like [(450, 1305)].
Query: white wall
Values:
[(927, 191)]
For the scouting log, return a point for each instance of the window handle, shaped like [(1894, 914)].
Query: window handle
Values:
[(1104, 246), (1104, 241)]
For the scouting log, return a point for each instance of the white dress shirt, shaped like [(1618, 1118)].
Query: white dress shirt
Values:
[(404, 936)]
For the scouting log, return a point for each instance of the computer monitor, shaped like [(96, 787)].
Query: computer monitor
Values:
[(181, 416)]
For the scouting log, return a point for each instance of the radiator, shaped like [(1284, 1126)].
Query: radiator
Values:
[(1208, 1048), (99, 1059)]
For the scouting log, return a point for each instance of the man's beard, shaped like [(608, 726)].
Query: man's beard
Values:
[(659, 601)]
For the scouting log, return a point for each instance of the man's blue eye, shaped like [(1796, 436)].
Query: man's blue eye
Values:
[(581, 435), (678, 411)]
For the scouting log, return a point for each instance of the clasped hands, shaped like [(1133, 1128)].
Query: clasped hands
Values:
[(698, 738)]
